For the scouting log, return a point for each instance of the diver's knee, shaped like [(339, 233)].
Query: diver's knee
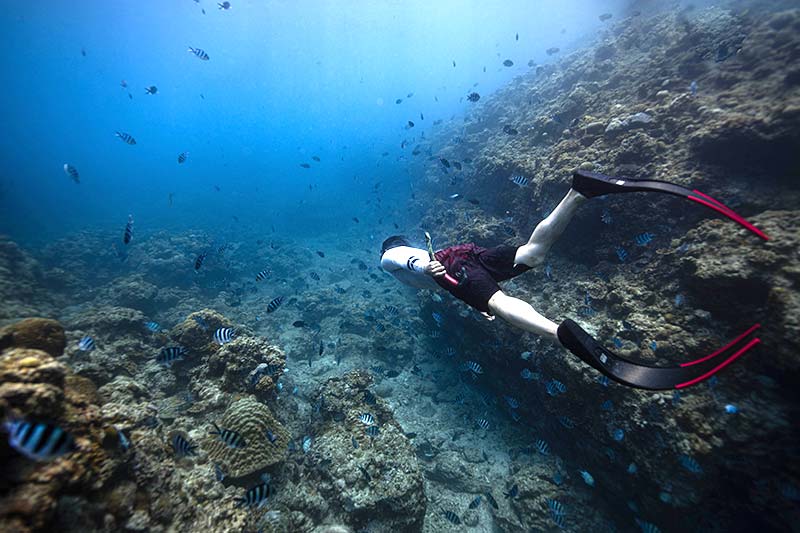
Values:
[(528, 254)]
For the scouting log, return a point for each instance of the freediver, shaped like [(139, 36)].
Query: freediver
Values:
[(472, 274)]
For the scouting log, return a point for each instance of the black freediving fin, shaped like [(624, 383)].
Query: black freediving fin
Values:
[(642, 376), (592, 184)]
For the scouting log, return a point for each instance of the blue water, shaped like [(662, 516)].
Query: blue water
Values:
[(285, 81)]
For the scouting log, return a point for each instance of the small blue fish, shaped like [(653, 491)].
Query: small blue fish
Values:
[(690, 464), (519, 180), (731, 409), (621, 253), (86, 344), (693, 87), (199, 53), (567, 422), (602, 379), (512, 402), (679, 299), (618, 434), (124, 441), (473, 367), (483, 423), (643, 239), (548, 271), (367, 419), (587, 300), (607, 405), (653, 345), (555, 387), (39, 441), (437, 318), (587, 477), (632, 469), (152, 326)]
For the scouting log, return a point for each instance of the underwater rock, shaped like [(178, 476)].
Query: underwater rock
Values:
[(236, 360), (379, 483), (21, 289), (37, 333), (251, 419), (196, 333)]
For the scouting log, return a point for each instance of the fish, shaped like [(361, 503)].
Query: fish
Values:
[(299, 324), (516, 38), (170, 354), (182, 446), (354, 442), (451, 352), (321, 254), (391, 310), (271, 437), (679, 299), (372, 431), (152, 326), (632, 468), (605, 218), (605, 16), (72, 172), (255, 496), (621, 253), (508, 63), (315, 158), (483, 423), (454, 63), (224, 5), (450, 515), (643, 239), (125, 137), (199, 53), (557, 511), (367, 419), (653, 345), (198, 262), (553, 50), (647, 527), (86, 344), (491, 500), (693, 88), (690, 464), (39, 441), (410, 124), (618, 434), (264, 274), (224, 335), (607, 405), (437, 318), (512, 492), (617, 342), (124, 441), (527, 375), (305, 165), (723, 53), (509, 130), (541, 446), (473, 367), (219, 474), (519, 180), (230, 438), (587, 477), (398, 101), (355, 219), (127, 235), (548, 271), (182, 157), (555, 387), (200, 321), (531, 63), (602, 379), (475, 503), (151, 90), (340, 290), (274, 304), (314, 276), (567, 422), (731, 409), (445, 163), (307, 442)]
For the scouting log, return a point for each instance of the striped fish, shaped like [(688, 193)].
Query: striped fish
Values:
[(541, 446), (231, 438), (473, 367), (39, 441), (72, 172), (199, 53), (274, 304), (373, 431), (198, 262), (255, 496), (452, 517), (182, 446), (128, 234), (182, 157), (224, 335), (169, 355), (367, 419), (86, 344), (126, 137), (483, 423), (264, 274), (152, 326), (476, 502), (522, 181)]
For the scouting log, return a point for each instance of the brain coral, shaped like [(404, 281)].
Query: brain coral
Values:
[(251, 419)]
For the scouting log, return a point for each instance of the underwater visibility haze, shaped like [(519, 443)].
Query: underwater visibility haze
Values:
[(396, 266)]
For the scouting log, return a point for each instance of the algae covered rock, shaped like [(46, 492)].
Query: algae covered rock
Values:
[(196, 333), (251, 419), (37, 333)]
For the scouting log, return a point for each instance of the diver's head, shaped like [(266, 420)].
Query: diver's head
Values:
[(393, 242)]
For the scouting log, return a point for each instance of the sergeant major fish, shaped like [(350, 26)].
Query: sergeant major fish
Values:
[(274, 304), (199, 53), (39, 441), (224, 335), (128, 234), (72, 172), (230, 438)]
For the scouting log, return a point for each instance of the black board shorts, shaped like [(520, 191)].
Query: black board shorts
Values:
[(484, 268)]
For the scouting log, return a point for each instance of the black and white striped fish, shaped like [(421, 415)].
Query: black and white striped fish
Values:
[(452, 517), (169, 355), (522, 181), (198, 262), (128, 234), (86, 344), (373, 431), (230, 438), (255, 496), (182, 446), (72, 172), (126, 137), (264, 274), (274, 304), (39, 441), (223, 335), (182, 157), (367, 419), (483, 423), (473, 367), (199, 53)]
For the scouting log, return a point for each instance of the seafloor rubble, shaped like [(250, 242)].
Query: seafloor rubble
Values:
[(681, 461)]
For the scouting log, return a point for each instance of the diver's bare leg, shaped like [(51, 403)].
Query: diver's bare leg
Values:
[(549, 230), (522, 315)]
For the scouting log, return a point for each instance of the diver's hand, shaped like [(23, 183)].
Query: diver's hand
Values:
[(435, 269), (488, 317)]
